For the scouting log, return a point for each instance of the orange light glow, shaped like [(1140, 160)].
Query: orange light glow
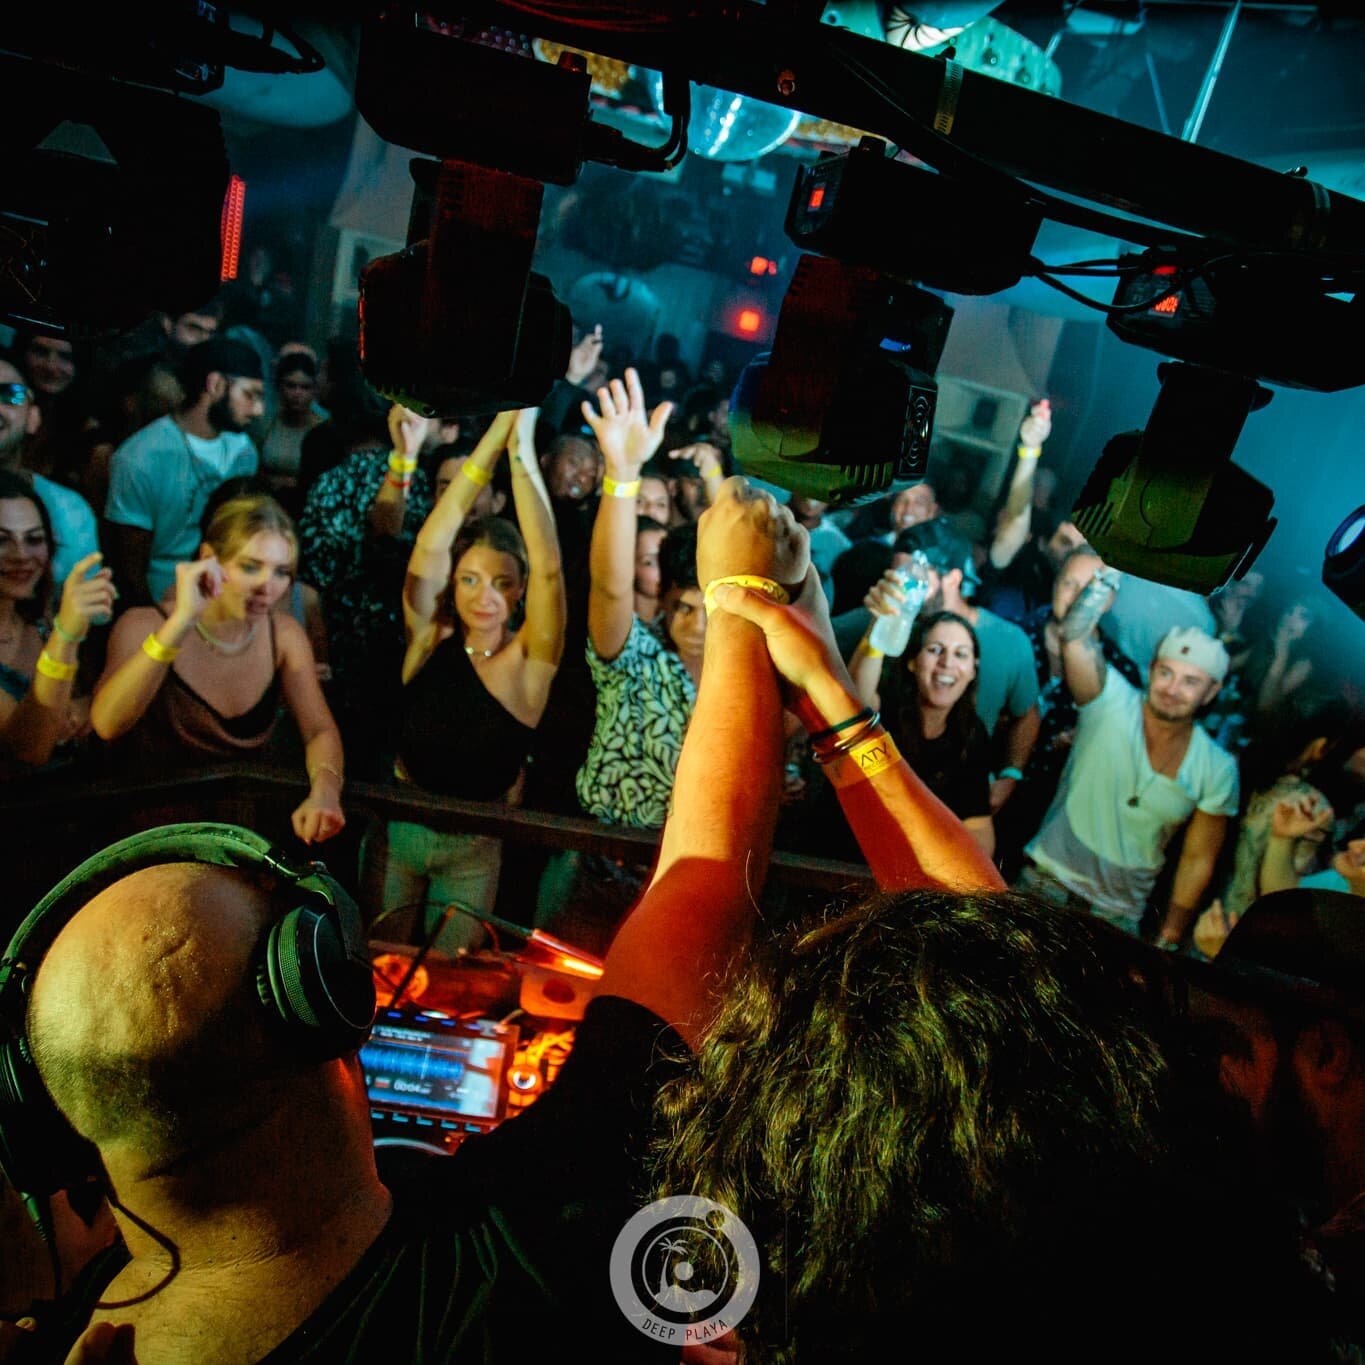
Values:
[(759, 265), (817, 197), (1167, 305), (233, 204), (749, 321)]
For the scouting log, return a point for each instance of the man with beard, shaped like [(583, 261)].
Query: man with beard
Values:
[(1285, 1005), (161, 477), (1139, 769)]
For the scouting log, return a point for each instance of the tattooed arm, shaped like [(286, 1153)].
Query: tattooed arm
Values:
[(1082, 655)]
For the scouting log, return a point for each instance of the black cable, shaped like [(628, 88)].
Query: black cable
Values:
[(430, 943), (162, 1241)]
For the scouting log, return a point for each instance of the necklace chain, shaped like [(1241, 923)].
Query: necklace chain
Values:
[(222, 646)]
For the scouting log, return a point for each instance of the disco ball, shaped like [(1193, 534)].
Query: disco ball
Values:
[(729, 127)]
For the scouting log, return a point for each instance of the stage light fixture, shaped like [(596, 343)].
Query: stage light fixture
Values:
[(1166, 503), (1343, 566), (113, 205), (1266, 315), (724, 126), (843, 404), (459, 322), (911, 224)]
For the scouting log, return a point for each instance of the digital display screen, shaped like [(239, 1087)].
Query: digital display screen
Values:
[(450, 1071)]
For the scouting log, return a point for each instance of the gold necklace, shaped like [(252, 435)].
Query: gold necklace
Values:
[(222, 646)]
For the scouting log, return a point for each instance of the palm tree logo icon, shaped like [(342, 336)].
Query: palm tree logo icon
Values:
[(677, 1266)]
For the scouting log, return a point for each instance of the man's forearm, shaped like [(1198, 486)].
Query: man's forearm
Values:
[(1192, 878), (1020, 738)]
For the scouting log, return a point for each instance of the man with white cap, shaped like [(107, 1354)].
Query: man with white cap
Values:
[(1139, 769)]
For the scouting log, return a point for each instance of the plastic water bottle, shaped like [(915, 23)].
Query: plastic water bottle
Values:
[(891, 634)]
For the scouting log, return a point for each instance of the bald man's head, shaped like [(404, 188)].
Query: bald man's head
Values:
[(143, 1019)]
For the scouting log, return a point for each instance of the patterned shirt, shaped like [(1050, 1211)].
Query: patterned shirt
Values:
[(644, 700), (360, 575)]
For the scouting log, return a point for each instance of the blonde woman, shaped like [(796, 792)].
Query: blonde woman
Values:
[(200, 677)]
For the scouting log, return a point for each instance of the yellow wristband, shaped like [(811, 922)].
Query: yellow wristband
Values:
[(766, 586), (864, 760), (475, 473), (402, 464), (50, 668), (712, 468), (612, 489), (1029, 452), (870, 650), (154, 649)]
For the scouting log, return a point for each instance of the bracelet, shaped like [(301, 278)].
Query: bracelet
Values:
[(402, 464), (766, 586), (866, 760), (51, 668), (866, 647), (154, 649), (475, 474), (1013, 773), (325, 768), (819, 736), (402, 484), (67, 635), (851, 742), (713, 468), (1029, 452), (611, 488)]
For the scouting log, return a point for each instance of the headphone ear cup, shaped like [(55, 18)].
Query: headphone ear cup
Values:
[(39, 1149), (314, 985)]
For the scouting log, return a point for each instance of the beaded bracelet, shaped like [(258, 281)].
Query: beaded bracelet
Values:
[(51, 668), (612, 489)]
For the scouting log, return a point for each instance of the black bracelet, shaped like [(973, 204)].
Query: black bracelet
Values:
[(865, 714)]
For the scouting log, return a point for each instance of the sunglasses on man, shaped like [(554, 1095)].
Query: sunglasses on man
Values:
[(15, 395)]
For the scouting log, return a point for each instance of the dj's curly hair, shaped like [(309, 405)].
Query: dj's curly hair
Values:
[(909, 1101)]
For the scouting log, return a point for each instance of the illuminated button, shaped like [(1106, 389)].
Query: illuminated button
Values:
[(817, 197)]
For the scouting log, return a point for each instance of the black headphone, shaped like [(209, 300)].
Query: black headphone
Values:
[(312, 974)]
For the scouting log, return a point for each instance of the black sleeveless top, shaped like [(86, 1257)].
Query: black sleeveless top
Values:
[(458, 739)]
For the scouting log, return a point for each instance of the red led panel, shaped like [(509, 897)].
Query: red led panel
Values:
[(749, 321), (817, 197), (234, 201)]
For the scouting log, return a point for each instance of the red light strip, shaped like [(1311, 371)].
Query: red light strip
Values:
[(234, 202)]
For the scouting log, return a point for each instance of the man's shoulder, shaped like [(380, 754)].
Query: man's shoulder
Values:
[(59, 495), (155, 436)]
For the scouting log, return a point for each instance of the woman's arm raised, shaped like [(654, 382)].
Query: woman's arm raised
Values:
[(542, 634)]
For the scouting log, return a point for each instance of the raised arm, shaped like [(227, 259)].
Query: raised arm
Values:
[(1016, 517), (546, 605), (1082, 654), (36, 724), (707, 459), (143, 646), (429, 565), (884, 598), (908, 836), (627, 440), (699, 906)]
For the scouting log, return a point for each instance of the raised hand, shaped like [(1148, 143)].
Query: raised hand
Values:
[(1037, 426), (746, 532), (407, 430), (626, 437), (1299, 818), (1091, 603), (703, 455), (886, 596), (584, 357), (197, 583), (86, 599), (318, 817)]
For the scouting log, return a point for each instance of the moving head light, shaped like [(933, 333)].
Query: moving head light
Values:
[(843, 405), (112, 203), (1266, 315), (911, 224), (1166, 503), (459, 322), (1343, 566)]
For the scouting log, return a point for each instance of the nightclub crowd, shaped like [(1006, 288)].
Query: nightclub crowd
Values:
[(205, 526)]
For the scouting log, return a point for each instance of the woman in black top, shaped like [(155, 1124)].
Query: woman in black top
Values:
[(928, 702), (475, 682)]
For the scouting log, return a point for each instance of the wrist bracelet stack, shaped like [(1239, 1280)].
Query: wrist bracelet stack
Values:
[(859, 727), (401, 468)]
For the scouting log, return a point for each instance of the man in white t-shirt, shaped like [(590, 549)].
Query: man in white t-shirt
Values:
[(1139, 769), (161, 477)]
